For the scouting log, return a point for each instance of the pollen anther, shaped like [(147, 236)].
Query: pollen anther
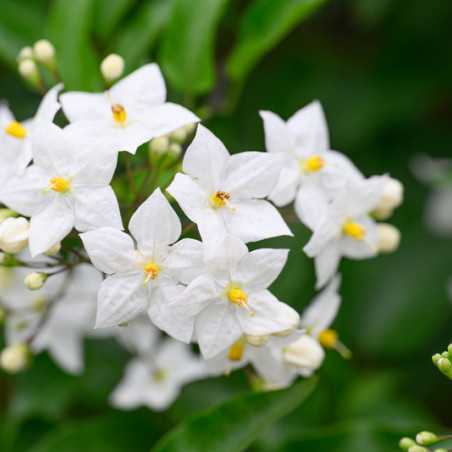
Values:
[(313, 164), (60, 184), (328, 338), (219, 199), (354, 230), (236, 350), (119, 113), (152, 270), (16, 130)]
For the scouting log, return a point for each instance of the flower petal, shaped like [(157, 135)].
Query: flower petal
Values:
[(185, 260), (277, 135), (285, 189), (326, 264), (80, 106), (49, 105)]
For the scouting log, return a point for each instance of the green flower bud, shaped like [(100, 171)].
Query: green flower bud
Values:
[(442, 449), (445, 366), (426, 438), (417, 449), (179, 135), (435, 358), (406, 443), (449, 351), (35, 281)]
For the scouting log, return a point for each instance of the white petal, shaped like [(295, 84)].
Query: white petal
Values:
[(272, 368), (96, 208), (309, 128), (110, 250), (49, 105), (217, 329), (268, 315), (321, 313), (277, 135), (361, 249), (251, 174), (155, 223), (206, 159), (79, 106), (365, 195), (225, 255), (311, 206), (285, 189), (121, 297), (51, 225), (259, 269), (254, 220), (143, 86), (326, 235), (326, 264), (67, 351), (185, 260)]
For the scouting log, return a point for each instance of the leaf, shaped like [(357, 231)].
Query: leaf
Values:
[(235, 424), (140, 34), (265, 23), (70, 24), (187, 53), (107, 15)]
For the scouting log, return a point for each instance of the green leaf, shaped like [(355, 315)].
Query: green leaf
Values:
[(107, 15), (187, 53), (70, 24), (139, 35), (234, 425), (265, 23)]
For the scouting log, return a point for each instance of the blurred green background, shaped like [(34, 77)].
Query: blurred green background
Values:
[(383, 71)]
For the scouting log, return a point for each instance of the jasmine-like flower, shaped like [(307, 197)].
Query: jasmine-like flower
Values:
[(16, 138), (139, 276), (66, 187), (130, 113), (230, 299), (224, 193)]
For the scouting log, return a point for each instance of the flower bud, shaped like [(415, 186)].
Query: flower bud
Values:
[(449, 351), (35, 281), (426, 438), (391, 198), (14, 234), (112, 67), (305, 353), (179, 135), (256, 341), (25, 53), (441, 449), (175, 150), (435, 358), (29, 71), (406, 443), (445, 366), (44, 52), (388, 238), (54, 250), (417, 448), (6, 213), (15, 358), (159, 145), (190, 128)]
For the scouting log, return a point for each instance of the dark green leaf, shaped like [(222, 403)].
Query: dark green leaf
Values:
[(108, 14), (70, 26), (265, 23), (187, 54), (139, 35), (234, 425)]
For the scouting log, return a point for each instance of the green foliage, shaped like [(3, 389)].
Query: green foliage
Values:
[(235, 424)]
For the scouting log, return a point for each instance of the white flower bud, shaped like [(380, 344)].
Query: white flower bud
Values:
[(391, 198), (14, 234), (305, 353), (426, 438), (35, 281), (417, 448), (29, 71), (25, 53), (15, 358), (159, 145), (388, 238), (44, 52), (178, 135), (112, 67), (256, 341), (6, 213), (175, 150), (54, 250)]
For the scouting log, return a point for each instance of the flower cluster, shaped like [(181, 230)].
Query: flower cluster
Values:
[(56, 188), (422, 442)]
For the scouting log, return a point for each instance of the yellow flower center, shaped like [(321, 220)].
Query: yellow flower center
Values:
[(354, 230), (159, 375), (119, 114), (313, 164), (328, 338), (219, 199), (152, 270), (16, 130), (237, 296), (236, 350), (60, 184)]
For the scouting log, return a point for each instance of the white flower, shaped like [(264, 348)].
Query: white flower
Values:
[(230, 299), (14, 235), (14, 358), (16, 148), (155, 380), (309, 169), (129, 114), (343, 227), (138, 277), (66, 187), (112, 67), (223, 193)]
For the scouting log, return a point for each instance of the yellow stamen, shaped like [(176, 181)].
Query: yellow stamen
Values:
[(354, 230), (152, 270), (237, 350), (159, 375), (313, 164), (119, 114), (60, 184), (328, 338), (16, 130), (237, 296), (219, 199)]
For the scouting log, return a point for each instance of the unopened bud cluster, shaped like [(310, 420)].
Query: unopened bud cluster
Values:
[(422, 442), (443, 361), (171, 144)]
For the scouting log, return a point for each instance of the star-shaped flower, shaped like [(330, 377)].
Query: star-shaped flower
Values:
[(230, 299), (66, 187), (139, 276), (130, 113), (224, 193), (16, 148)]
